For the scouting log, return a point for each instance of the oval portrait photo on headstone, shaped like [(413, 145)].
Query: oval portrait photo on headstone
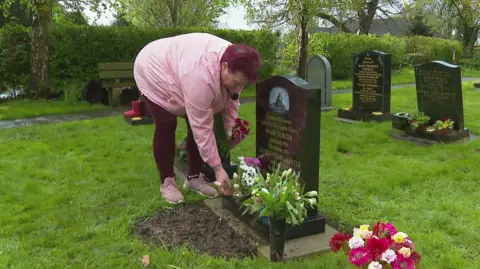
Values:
[(279, 101)]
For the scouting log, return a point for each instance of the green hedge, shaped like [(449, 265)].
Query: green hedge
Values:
[(76, 50), (339, 48)]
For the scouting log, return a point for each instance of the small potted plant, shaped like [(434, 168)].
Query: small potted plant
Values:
[(419, 122), (400, 120), (444, 126), (279, 196), (380, 248)]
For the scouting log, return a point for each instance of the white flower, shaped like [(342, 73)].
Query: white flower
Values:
[(235, 175), (298, 197), (406, 252), (363, 232), (375, 265), (312, 201), (236, 186), (389, 256), (265, 191), (311, 193), (356, 242)]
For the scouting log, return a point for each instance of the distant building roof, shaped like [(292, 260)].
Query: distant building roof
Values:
[(379, 27)]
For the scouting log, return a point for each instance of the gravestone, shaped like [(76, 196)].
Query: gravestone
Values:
[(371, 91), (439, 96), (319, 74), (288, 131)]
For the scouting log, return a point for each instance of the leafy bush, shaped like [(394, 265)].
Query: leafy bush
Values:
[(77, 49), (14, 56), (340, 47)]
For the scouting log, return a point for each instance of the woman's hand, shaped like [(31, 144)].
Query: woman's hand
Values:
[(222, 180)]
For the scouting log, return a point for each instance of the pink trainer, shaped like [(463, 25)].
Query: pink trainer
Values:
[(170, 191), (200, 185)]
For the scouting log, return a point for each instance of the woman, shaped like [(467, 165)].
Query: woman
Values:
[(193, 76)]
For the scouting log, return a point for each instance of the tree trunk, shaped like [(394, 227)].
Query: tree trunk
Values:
[(469, 36), (302, 63), (366, 19), (39, 83)]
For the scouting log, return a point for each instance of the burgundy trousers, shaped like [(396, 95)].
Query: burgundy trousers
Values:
[(164, 143)]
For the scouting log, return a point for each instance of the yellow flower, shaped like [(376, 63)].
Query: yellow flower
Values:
[(399, 237), (364, 227), (136, 118), (377, 113), (406, 252), (347, 108)]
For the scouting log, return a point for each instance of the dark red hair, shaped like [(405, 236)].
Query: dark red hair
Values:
[(243, 58)]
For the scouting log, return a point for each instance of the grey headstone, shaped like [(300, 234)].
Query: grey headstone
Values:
[(319, 74)]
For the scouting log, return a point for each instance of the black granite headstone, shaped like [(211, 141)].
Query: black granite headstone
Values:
[(288, 131), (371, 87), (439, 92)]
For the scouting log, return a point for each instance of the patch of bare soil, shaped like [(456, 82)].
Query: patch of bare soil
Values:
[(197, 227)]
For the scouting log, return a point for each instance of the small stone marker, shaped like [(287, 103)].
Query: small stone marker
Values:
[(319, 74), (288, 131), (371, 87)]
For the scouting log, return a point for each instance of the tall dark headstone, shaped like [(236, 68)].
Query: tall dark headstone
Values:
[(371, 91), (439, 91), (288, 132), (319, 74)]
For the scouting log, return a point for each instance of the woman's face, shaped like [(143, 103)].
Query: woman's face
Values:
[(235, 81)]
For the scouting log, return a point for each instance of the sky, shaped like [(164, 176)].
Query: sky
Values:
[(234, 18)]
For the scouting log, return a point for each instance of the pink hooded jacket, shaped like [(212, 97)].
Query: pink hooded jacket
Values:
[(182, 75)]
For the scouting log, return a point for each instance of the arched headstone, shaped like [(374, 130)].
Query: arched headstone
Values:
[(319, 74)]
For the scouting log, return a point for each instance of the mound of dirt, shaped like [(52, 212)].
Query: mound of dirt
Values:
[(197, 227)]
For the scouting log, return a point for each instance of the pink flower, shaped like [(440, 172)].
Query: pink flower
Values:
[(252, 161), (403, 263), (360, 256), (384, 229), (377, 246)]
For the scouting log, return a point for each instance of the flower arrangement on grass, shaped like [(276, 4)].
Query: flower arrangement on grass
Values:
[(381, 248), (280, 196), (239, 132), (421, 122)]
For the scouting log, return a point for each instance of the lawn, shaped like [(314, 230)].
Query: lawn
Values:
[(404, 76), (19, 109), (70, 193)]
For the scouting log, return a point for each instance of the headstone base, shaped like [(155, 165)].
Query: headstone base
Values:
[(328, 108), (451, 137), (139, 121), (362, 116), (295, 248), (476, 85), (315, 225)]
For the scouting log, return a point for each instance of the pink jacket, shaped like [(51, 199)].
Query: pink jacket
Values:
[(182, 75)]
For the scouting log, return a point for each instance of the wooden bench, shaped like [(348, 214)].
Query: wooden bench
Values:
[(114, 76)]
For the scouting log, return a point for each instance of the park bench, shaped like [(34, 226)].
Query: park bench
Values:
[(115, 76)]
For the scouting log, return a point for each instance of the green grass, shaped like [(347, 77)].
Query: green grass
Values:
[(404, 76), (70, 193), (19, 109)]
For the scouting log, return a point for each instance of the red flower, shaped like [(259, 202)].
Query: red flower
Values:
[(377, 246), (336, 242), (415, 257), (403, 263), (445, 119), (238, 121), (245, 123), (360, 256)]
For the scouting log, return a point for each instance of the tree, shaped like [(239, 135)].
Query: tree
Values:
[(172, 13), (296, 15), (461, 16), (41, 10)]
